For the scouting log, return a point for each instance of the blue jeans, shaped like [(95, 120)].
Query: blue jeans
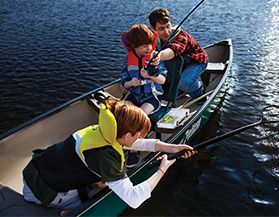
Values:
[(189, 82)]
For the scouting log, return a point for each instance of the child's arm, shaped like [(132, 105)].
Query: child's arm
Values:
[(159, 79), (154, 145), (174, 148), (126, 80), (132, 83), (135, 195)]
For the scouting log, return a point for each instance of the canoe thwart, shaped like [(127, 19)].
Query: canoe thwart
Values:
[(215, 66)]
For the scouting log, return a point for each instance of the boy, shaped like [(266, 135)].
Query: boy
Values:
[(56, 175), (143, 85)]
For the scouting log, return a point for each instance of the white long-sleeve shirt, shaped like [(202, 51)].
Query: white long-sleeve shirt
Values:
[(134, 196)]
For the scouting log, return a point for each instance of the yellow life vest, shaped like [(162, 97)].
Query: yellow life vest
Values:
[(100, 135)]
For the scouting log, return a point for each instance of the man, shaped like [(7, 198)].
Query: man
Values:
[(182, 43)]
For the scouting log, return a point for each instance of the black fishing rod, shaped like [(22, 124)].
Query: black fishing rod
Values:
[(174, 32), (263, 120), (185, 18)]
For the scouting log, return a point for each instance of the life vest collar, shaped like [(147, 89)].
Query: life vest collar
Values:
[(107, 124), (97, 136)]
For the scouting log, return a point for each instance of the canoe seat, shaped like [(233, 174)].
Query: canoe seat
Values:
[(13, 204), (215, 66)]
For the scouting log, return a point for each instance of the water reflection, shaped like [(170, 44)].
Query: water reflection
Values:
[(52, 51)]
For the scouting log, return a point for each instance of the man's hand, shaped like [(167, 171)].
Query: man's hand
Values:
[(156, 60)]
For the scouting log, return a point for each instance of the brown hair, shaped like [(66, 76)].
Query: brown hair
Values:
[(139, 35), (129, 118), (159, 15)]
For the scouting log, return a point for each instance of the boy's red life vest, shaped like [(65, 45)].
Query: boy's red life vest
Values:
[(134, 65)]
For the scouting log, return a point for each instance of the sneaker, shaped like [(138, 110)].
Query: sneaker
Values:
[(180, 94), (202, 100), (132, 159)]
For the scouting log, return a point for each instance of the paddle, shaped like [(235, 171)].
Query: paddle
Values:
[(263, 120), (191, 102), (174, 32)]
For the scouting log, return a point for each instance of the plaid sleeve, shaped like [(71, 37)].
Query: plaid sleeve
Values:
[(185, 43), (178, 44)]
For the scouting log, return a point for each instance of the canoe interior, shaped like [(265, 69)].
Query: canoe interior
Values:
[(16, 148)]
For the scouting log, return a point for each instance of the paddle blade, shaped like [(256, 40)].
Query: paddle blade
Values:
[(270, 114)]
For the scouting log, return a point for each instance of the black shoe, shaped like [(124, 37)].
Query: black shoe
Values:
[(202, 100), (180, 94), (133, 159)]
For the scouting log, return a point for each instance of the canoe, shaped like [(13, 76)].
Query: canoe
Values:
[(16, 145)]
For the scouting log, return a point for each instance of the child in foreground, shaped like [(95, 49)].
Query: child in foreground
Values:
[(55, 176)]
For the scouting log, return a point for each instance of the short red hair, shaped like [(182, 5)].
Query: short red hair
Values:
[(129, 118), (139, 35)]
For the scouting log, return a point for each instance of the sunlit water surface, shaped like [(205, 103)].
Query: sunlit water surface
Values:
[(52, 51)]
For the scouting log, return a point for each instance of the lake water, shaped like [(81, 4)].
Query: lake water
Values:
[(52, 51)]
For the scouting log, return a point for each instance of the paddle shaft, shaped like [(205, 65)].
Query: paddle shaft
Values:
[(206, 143), (189, 103)]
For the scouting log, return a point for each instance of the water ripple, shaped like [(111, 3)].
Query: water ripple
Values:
[(52, 51)]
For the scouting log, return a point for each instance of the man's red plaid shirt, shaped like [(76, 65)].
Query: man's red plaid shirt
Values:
[(185, 43)]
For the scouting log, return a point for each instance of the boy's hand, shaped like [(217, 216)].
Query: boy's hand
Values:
[(189, 150), (135, 82), (165, 163), (144, 73)]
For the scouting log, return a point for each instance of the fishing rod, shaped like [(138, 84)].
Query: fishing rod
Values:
[(174, 32), (185, 18), (201, 145)]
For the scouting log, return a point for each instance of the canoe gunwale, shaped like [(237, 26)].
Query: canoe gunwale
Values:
[(53, 111)]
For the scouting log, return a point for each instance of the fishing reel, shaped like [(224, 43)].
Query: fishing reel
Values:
[(152, 70)]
